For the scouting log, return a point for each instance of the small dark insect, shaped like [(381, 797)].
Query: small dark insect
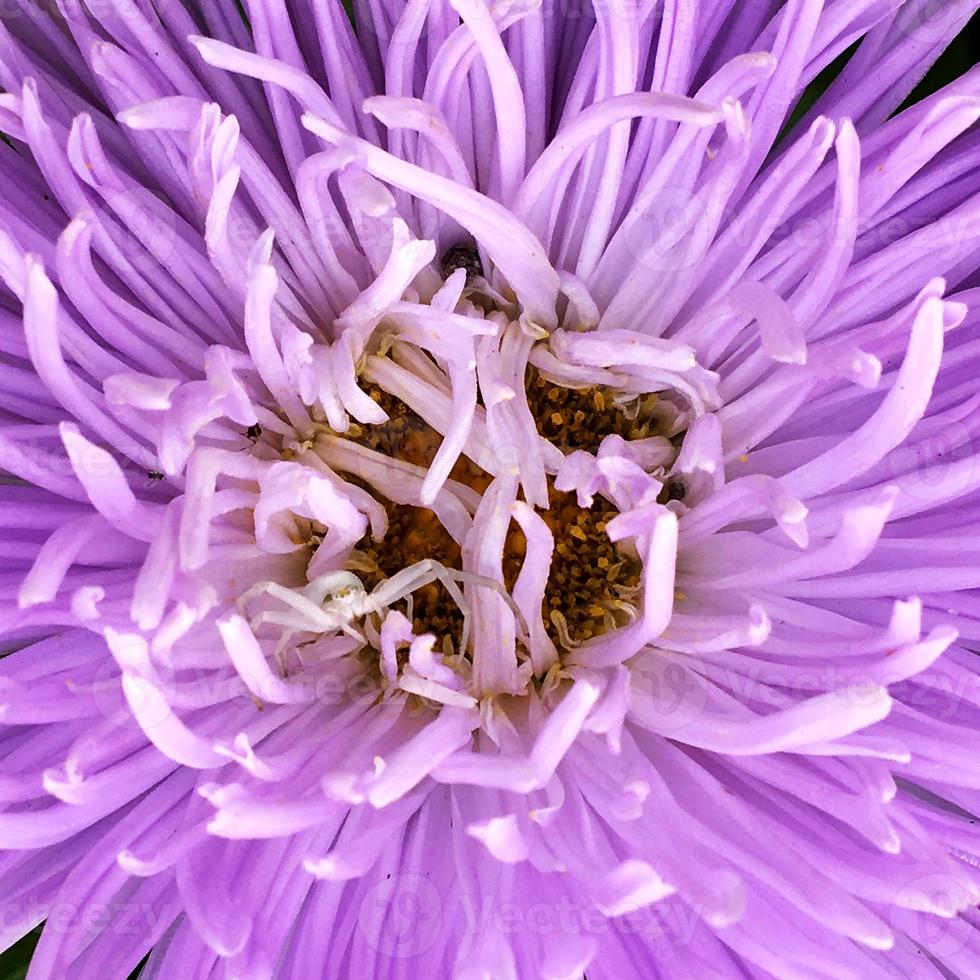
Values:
[(254, 431), (675, 490), (462, 256), (155, 475)]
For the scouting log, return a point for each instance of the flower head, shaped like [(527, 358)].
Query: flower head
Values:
[(486, 496)]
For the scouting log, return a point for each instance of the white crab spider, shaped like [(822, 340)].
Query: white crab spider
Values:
[(335, 599)]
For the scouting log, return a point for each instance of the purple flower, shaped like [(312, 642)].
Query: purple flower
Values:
[(482, 499)]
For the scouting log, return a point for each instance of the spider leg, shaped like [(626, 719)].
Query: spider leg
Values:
[(488, 583), (448, 579), (401, 584), (260, 588), (313, 612), (407, 581), (290, 620), (284, 637)]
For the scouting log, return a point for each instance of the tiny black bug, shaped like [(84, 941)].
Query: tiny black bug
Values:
[(254, 431), (155, 475), (462, 256), (675, 490)]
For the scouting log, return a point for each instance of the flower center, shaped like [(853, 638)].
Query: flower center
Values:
[(580, 418), (593, 583), (414, 534)]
